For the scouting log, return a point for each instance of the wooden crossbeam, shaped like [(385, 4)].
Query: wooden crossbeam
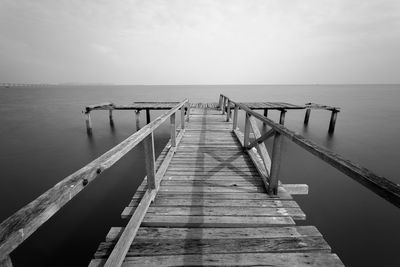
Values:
[(262, 138)]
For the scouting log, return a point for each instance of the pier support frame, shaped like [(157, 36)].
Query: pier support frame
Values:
[(137, 112), (228, 111), (276, 159), (307, 116), (149, 156), (110, 117), (148, 119), (88, 123), (332, 122), (265, 115), (173, 130)]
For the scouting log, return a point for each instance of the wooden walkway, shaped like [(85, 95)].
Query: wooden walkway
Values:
[(212, 209)]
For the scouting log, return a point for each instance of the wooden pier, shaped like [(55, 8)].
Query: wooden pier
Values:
[(212, 197)]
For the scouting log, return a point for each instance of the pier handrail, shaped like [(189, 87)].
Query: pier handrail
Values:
[(19, 226), (381, 186)]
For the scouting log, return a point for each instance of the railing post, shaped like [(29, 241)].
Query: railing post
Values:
[(276, 159), (182, 117), (88, 123), (149, 157), (148, 119), (235, 117), (246, 140), (173, 130), (265, 115), (110, 116), (137, 112), (282, 117), (228, 112), (332, 122), (307, 116), (187, 111), (223, 105)]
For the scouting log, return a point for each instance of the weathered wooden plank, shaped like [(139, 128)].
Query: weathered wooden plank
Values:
[(204, 182), (210, 189), (144, 247), (263, 153), (216, 233), (148, 143), (154, 220), (162, 201), (119, 251), (220, 169), (282, 195), (194, 163), (237, 259), (295, 213), (214, 173), (296, 189)]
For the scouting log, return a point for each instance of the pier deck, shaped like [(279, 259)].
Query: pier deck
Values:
[(212, 208)]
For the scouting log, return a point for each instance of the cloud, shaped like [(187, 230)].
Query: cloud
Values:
[(210, 41)]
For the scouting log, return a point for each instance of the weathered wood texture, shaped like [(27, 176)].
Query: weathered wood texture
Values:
[(377, 184), (236, 259), (19, 226), (212, 202), (123, 244)]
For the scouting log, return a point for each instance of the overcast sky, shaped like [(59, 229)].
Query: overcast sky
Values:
[(200, 42)]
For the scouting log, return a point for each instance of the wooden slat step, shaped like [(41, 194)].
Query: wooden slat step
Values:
[(201, 202), (217, 168), (146, 247), (216, 233), (203, 182), (210, 189), (209, 195), (215, 221), (199, 163), (237, 259), (233, 177), (295, 213)]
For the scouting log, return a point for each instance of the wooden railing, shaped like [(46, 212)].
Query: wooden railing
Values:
[(377, 184), (20, 225)]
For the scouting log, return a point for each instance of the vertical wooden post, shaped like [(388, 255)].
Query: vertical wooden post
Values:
[(276, 159), (187, 111), (137, 119), (149, 157), (282, 117), (235, 117), (88, 123), (223, 105), (182, 118), (220, 101), (110, 117), (307, 116), (148, 119), (228, 112), (246, 140), (173, 130), (265, 115), (332, 122)]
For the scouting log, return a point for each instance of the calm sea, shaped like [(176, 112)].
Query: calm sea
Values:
[(43, 139)]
